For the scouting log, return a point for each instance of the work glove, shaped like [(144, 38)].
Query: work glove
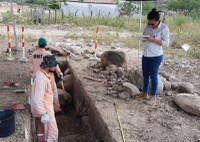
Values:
[(56, 104), (45, 118), (60, 75)]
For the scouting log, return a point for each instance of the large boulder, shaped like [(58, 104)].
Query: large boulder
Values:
[(124, 95), (68, 71), (186, 88), (174, 85), (188, 102), (167, 76), (62, 61), (138, 80), (64, 97), (67, 81), (76, 50), (115, 57), (167, 84), (131, 89)]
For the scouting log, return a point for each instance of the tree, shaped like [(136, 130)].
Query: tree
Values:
[(126, 8), (39, 2), (54, 4), (186, 7), (147, 7)]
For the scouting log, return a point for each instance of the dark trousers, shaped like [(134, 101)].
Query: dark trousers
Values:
[(150, 67)]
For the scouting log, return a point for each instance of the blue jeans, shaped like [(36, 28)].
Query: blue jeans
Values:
[(150, 67)]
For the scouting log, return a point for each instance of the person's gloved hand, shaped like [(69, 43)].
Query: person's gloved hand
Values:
[(45, 118), (60, 75)]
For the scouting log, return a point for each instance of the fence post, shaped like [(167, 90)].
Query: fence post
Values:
[(83, 14), (49, 16), (109, 14), (62, 13), (91, 14), (99, 13), (31, 14), (76, 13), (55, 16)]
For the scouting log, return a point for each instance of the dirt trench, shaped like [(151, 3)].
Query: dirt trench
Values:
[(82, 120), (70, 122), (71, 128)]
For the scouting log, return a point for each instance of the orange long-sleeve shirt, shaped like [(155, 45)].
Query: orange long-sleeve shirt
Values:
[(37, 58)]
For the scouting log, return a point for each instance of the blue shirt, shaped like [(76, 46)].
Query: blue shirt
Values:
[(161, 32)]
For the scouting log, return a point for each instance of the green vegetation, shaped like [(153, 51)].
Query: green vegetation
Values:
[(53, 4), (186, 7), (128, 8)]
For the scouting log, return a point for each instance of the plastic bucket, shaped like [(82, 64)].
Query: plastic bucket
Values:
[(7, 122)]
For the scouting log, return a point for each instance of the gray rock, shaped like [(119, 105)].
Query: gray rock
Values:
[(85, 120), (62, 100), (64, 97), (131, 89), (96, 70), (121, 89), (89, 44), (117, 58), (99, 54), (68, 82), (111, 68), (168, 93), (75, 50), (188, 102), (89, 51), (61, 60), (79, 45), (86, 56), (164, 74), (137, 78), (138, 81), (174, 86), (131, 75), (120, 72), (67, 71), (186, 88), (115, 87), (167, 76), (124, 95), (167, 84), (105, 72), (114, 95), (112, 47)]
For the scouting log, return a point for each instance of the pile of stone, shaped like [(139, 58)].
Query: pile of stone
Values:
[(125, 84)]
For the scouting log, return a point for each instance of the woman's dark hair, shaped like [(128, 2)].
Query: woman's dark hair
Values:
[(153, 15)]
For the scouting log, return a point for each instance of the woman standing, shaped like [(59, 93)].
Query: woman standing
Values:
[(156, 36)]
